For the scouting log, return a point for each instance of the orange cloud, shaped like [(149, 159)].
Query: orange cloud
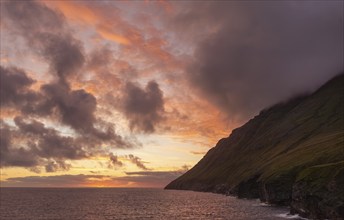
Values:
[(8, 113), (166, 5), (83, 14), (190, 121), (106, 32), (4, 60), (142, 46)]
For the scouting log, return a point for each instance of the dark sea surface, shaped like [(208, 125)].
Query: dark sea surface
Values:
[(117, 203)]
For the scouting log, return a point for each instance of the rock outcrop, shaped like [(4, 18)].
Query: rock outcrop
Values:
[(318, 192)]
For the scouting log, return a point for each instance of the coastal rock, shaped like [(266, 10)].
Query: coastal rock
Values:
[(248, 189), (278, 190), (318, 192)]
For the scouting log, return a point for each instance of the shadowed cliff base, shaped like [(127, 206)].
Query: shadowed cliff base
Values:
[(290, 154)]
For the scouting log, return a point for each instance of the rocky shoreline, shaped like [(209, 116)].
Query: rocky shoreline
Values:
[(308, 200)]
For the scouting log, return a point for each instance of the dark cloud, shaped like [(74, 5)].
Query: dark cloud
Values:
[(53, 145), (35, 127), (63, 52), (185, 167), (114, 161), (54, 44), (198, 152), (54, 166), (46, 34), (30, 17), (150, 178), (15, 87), (100, 58), (164, 174), (14, 156), (31, 144), (75, 107), (65, 57), (143, 107), (137, 161), (45, 31), (48, 142), (259, 53)]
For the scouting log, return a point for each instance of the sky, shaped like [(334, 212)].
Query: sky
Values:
[(134, 93)]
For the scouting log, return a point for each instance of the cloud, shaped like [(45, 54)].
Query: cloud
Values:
[(100, 58), (137, 161), (94, 172), (114, 161), (140, 41), (53, 145), (90, 14), (10, 156), (30, 143), (15, 87), (198, 152), (30, 17), (53, 181), (76, 107), (47, 34), (150, 178), (54, 166), (144, 108), (104, 64), (63, 53), (146, 176), (258, 53), (132, 179)]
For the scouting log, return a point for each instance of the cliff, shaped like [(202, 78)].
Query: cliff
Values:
[(290, 154)]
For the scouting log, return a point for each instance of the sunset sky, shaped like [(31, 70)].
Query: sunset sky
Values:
[(134, 93)]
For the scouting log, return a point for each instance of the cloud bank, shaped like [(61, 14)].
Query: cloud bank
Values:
[(133, 179), (260, 53)]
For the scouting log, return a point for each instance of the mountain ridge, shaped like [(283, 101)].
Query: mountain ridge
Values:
[(266, 157)]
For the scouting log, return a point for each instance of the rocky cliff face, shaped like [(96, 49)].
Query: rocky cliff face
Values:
[(290, 154), (318, 192)]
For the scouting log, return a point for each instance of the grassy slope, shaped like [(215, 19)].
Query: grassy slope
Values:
[(284, 139)]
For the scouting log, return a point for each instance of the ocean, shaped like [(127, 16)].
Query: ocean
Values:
[(125, 203)]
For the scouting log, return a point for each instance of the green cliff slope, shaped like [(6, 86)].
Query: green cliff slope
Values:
[(272, 156)]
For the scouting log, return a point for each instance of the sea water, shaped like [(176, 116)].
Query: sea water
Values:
[(120, 203)]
